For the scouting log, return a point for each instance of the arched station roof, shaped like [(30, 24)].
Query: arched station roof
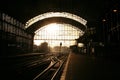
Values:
[(93, 11), (44, 22), (59, 17)]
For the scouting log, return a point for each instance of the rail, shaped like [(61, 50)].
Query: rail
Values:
[(53, 71), (59, 70)]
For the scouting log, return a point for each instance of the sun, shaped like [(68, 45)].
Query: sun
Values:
[(51, 28)]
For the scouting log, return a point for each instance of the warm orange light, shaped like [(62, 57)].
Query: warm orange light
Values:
[(80, 45), (115, 10), (104, 20)]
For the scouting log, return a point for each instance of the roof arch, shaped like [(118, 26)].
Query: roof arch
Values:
[(60, 20), (55, 14)]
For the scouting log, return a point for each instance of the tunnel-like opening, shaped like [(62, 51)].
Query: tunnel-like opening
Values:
[(55, 30), (56, 35)]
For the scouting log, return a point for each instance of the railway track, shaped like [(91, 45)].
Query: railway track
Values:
[(53, 71), (34, 67)]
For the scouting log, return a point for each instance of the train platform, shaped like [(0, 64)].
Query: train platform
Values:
[(84, 67)]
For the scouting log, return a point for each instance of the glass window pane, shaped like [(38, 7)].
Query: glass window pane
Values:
[(55, 33)]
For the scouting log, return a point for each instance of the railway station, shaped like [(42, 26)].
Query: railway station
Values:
[(60, 39)]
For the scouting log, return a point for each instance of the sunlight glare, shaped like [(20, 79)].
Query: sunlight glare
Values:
[(55, 33), (52, 28)]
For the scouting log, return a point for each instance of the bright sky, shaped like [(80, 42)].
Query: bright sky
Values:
[(55, 33)]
